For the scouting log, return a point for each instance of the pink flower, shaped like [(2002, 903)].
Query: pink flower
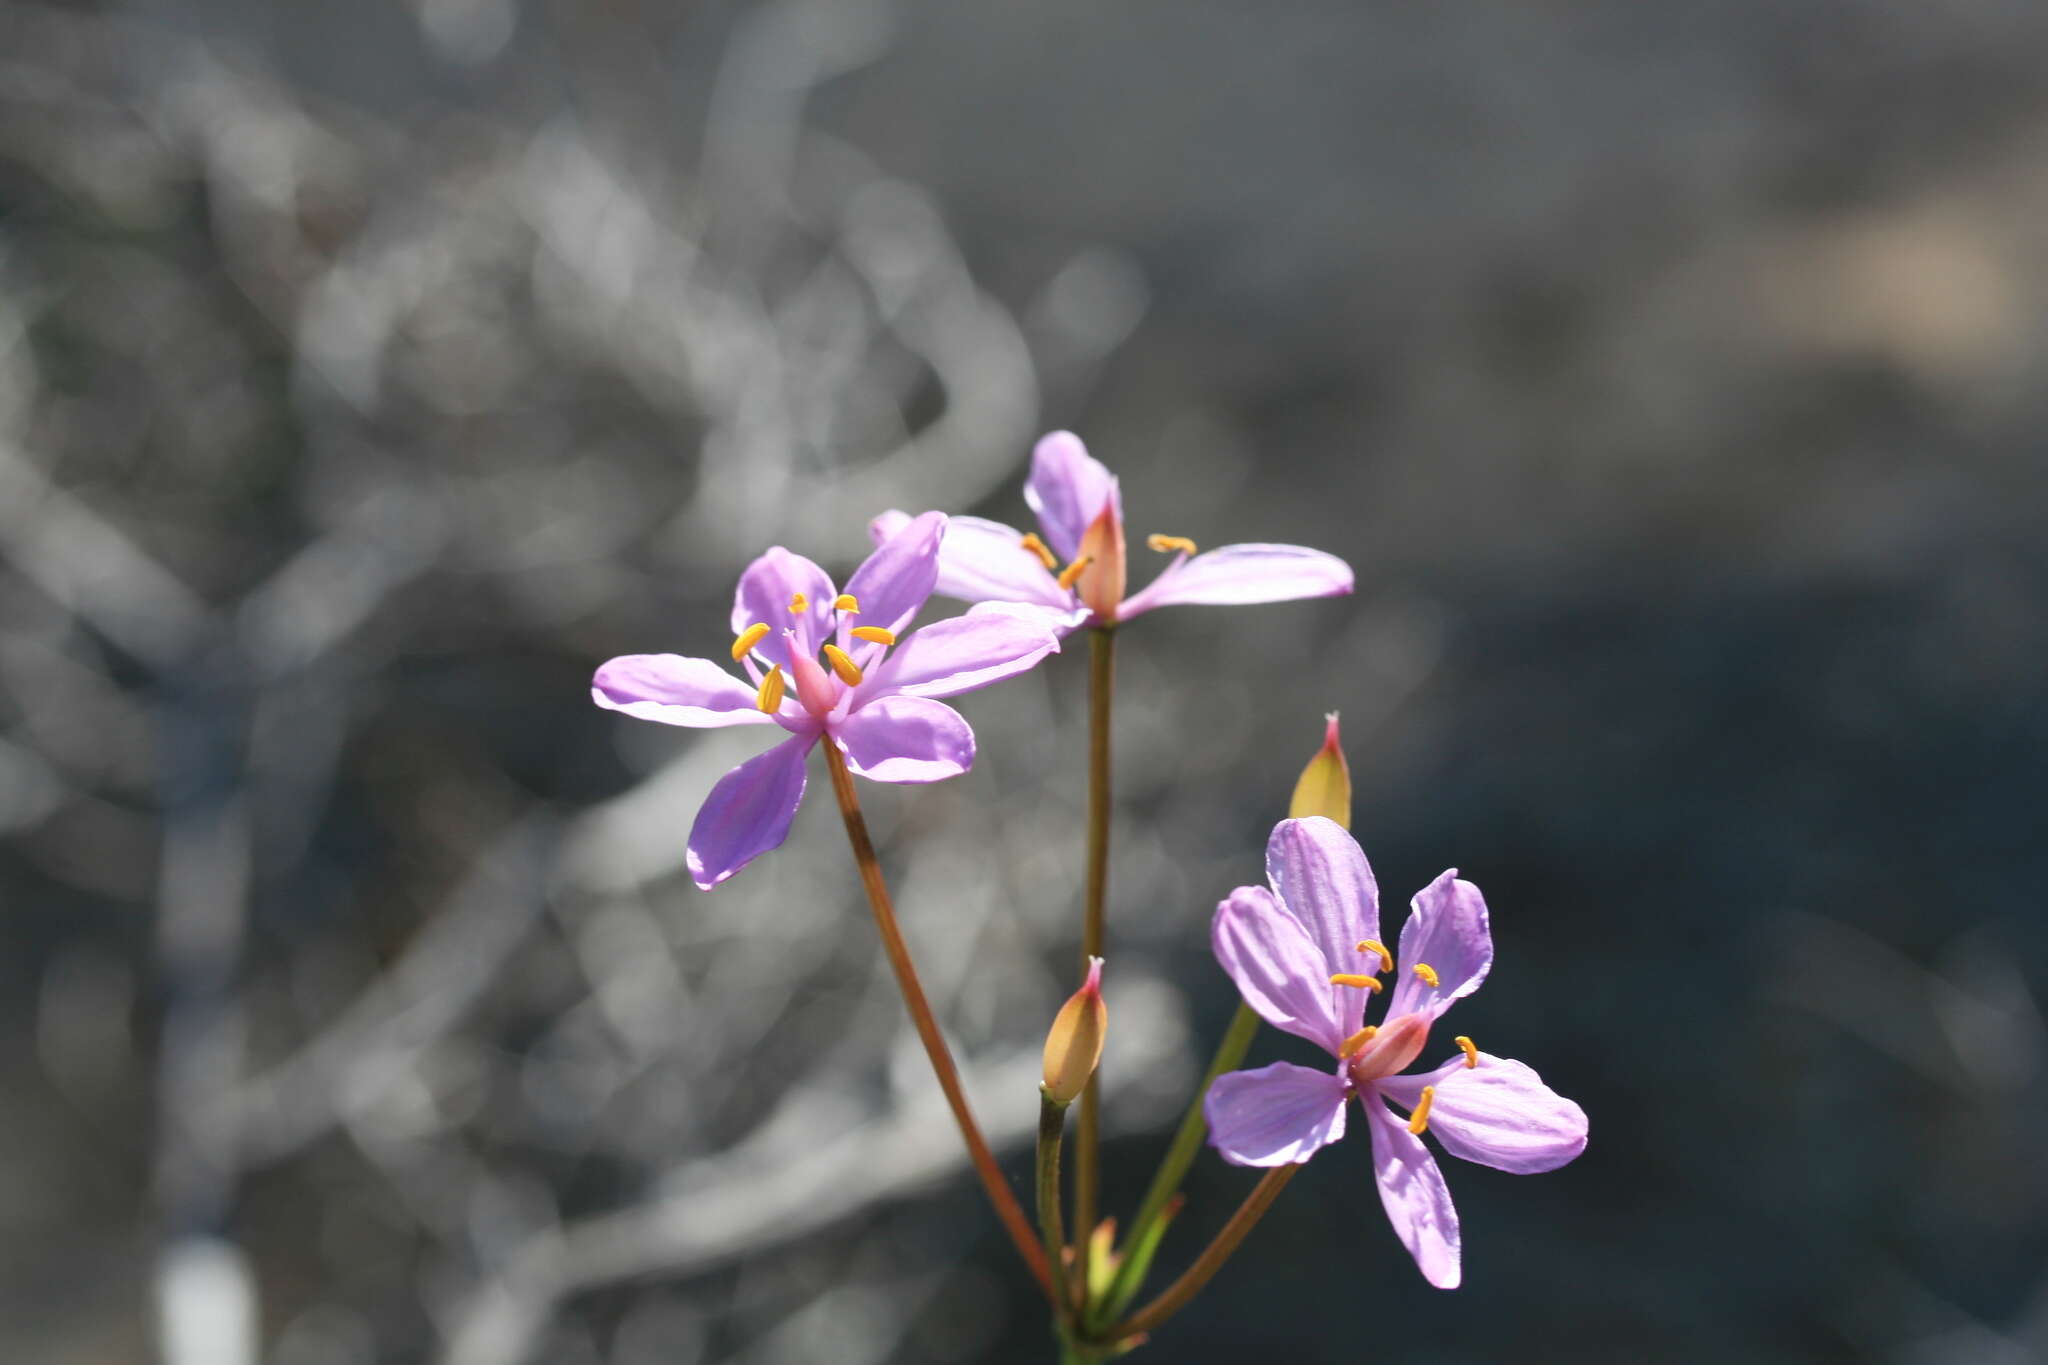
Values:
[(872, 695), (1081, 524), (1305, 955)]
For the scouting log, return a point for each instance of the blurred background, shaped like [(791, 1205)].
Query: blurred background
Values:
[(1672, 375)]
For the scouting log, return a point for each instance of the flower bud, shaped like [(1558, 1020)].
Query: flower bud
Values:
[(1102, 550), (1325, 785), (1074, 1045)]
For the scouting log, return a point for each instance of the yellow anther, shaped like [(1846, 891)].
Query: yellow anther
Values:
[(1373, 945), (1364, 983), (846, 601), (769, 698), (1418, 1122), (1075, 570), (1357, 1041), (1470, 1049), (874, 633), (1032, 543), (799, 603), (1427, 973), (748, 638), (1168, 544), (847, 669)]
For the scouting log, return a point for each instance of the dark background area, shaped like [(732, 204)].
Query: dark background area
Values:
[(1672, 376)]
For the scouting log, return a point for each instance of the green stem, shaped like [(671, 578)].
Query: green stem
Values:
[(1008, 1210), (1052, 1131), (1187, 1143), (1210, 1261), (1088, 1134)]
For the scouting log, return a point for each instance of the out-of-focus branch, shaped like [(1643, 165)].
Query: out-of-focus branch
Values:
[(454, 960), (84, 562), (819, 1159)]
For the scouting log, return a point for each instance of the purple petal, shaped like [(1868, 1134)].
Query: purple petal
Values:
[(896, 579), (1275, 1116), (764, 595), (887, 524), (1067, 489), (1062, 621), (1277, 967), (906, 739), (1413, 1192), (949, 657), (748, 811), (675, 691), (1321, 876), (1238, 575), (1498, 1113), (985, 561), (1447, 932)]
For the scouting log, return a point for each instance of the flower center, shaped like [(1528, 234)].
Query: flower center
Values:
[(818, 686), (1386, 1050), (1382, 1050), (814, 686), (1096, 574)]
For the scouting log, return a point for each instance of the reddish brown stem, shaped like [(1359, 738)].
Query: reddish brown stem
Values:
[(1088, 1131), (1177, 1294), (1007, 1208)]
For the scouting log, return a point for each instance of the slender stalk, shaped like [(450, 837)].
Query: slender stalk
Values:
[(1210, 1261), (1007, 1208), (1052, 1133), (1088, 1134), (1187, 1140)]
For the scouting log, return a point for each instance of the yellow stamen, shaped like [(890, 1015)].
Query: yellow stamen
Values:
[(1418, 1122), (874, 633), (1032, 543), (1168, 544), (1074, 570), (769, 698), (748, 638), (1364, 983), (798, 604), (1427, 973), (1357, 1041), (847, 669), (1373, 945), (1470, 1049), (846, 601)]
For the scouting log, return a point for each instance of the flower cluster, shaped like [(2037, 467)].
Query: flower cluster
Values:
[(845, 667)]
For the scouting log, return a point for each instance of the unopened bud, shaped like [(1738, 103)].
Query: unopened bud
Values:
[(1102, 1259), (1074, 1045), (1325, 785), (1102, 550)]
